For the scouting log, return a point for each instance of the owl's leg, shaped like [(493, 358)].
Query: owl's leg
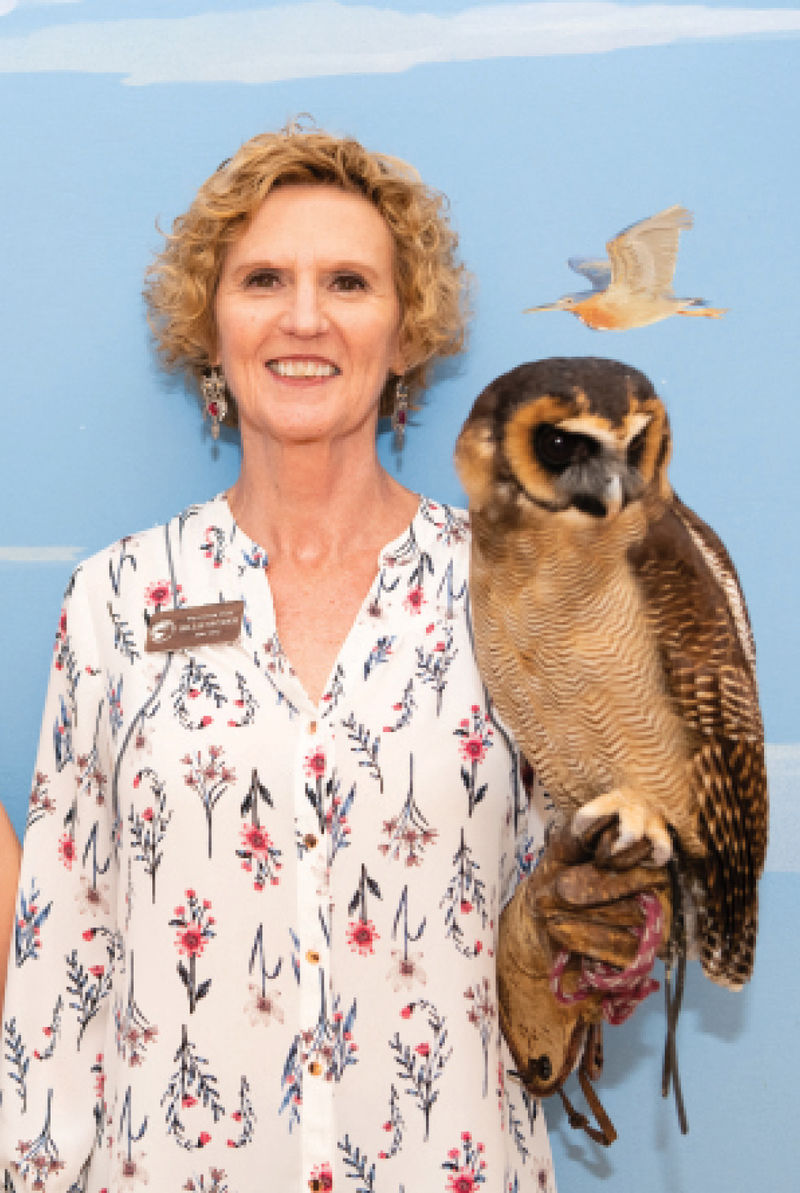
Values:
[(635, 822)]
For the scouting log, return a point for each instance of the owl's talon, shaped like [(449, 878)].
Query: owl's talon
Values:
[(601, 830), (640, 853), (635, 822)]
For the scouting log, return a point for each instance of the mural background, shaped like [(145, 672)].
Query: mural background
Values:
[(551, 127)]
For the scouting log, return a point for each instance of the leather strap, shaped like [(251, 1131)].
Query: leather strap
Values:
[(675, 970), (604, 1133)]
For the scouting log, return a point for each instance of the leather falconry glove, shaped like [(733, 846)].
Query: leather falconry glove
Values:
[(576, 945)]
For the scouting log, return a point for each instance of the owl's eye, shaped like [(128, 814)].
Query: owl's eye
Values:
[(635, 450), (556, 450)]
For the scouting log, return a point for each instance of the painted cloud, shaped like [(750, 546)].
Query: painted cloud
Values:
[(324, 38)]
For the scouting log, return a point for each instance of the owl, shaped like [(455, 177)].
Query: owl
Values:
[(612, 633)]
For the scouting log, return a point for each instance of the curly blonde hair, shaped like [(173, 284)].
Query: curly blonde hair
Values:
[(181, 282)]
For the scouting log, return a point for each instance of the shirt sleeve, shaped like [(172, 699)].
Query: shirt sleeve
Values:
[(65, 944)]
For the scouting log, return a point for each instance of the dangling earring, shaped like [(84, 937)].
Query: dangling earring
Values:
[(400, 413), (215, 402)]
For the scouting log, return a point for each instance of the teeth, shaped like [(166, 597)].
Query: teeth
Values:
[(302, 368)]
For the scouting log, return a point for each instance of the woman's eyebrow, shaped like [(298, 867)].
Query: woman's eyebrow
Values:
[(333, 265)]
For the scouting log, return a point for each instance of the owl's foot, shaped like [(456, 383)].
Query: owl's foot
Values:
[(635, 822)]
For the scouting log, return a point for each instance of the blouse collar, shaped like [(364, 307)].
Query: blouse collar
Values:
[(226, 564)]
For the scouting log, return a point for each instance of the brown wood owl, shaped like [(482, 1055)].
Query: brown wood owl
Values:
[(612, 633)]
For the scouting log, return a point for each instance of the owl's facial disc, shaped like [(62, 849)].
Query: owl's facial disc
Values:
[(583, 447), (589, 475)]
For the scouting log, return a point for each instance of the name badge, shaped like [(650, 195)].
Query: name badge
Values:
[(197, 625)]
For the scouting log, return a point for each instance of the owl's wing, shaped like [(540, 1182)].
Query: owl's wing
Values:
[(643, 256), (697, 611)]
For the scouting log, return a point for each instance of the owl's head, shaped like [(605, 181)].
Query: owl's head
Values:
[(580, 437)]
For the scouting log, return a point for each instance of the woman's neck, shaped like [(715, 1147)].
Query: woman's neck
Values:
[(317, 502)]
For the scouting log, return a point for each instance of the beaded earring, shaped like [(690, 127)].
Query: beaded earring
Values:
[(215, 403), (400, 414)]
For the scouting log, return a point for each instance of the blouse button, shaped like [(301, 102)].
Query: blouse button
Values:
[(312, 956), (312, 727), (315, 1068), (310, 841)]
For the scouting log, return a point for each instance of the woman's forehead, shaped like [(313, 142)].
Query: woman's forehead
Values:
[(315, 222)]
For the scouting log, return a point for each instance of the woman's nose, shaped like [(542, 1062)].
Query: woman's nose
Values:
[(304, 314)]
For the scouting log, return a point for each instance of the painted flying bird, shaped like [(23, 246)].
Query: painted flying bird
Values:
[(634, 287)]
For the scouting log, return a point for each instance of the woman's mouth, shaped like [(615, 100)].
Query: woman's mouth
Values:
[(302, 368)]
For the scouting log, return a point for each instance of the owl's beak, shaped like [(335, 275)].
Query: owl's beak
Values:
[(602, 502), (613, 495)]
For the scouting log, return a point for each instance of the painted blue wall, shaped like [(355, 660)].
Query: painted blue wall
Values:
[(107, 128)]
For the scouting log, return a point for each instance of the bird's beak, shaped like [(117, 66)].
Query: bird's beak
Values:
[(613, 495), (548, 306)]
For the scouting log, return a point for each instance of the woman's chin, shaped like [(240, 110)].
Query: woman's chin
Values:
[(308, 422)]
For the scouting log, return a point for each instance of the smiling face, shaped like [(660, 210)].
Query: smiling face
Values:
[(308, 317)]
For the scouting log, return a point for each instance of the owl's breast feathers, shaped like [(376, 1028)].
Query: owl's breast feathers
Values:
[(569, 657), (698, 616)]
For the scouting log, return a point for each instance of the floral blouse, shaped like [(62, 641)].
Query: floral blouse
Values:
[(254, 946)]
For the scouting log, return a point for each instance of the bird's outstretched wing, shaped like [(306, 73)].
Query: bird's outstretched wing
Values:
[(643, 255), (596, 269), (700, 622)]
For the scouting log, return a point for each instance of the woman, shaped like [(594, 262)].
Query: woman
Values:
[(270, 841)]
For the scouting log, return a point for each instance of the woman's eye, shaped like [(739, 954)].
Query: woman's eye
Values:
[(348, 282), (262, 279)]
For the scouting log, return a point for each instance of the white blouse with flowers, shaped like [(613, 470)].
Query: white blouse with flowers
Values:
[(254, 946)]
